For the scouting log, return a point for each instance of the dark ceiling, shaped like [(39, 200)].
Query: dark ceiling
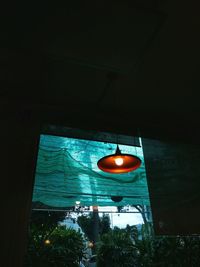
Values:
[(112, 65)]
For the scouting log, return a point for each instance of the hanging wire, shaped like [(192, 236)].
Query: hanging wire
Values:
[(111, 76), (135, 146)]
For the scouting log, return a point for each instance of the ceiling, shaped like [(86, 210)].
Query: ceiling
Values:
[(57, 60)]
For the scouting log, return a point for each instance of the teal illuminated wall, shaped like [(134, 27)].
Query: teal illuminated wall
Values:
[(67, 171)]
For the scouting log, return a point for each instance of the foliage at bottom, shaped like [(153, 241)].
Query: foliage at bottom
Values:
[(59, 248)]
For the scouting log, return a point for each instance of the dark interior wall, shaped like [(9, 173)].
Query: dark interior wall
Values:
[(19, 139), (173, 173)]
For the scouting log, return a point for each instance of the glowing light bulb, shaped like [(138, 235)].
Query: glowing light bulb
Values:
[(47, 242), (119, 161), (90, 244)]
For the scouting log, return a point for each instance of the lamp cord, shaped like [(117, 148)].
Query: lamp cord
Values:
[(111, 76)]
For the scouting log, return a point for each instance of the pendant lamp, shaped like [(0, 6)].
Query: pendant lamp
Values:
[(119, 163)]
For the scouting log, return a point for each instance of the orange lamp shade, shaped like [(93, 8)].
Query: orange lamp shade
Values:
[(119, 163)]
